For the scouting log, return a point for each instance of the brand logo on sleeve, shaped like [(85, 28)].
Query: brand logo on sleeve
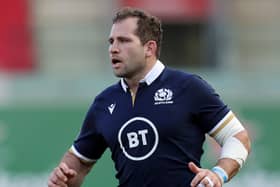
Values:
[(163, 96), (111, 108)]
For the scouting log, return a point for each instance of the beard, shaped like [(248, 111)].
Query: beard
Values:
[(128, 72), (123, 74)]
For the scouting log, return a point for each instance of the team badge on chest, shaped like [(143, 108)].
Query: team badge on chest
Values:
[(163, 96)]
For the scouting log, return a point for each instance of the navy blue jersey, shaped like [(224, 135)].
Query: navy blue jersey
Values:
[(152, 139)]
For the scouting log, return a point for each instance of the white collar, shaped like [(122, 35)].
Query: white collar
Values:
[(150, 77)]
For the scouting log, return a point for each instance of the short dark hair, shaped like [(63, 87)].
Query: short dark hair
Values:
[(148, 26)]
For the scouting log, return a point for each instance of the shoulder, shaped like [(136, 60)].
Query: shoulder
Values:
[(175, 73), (110, 91), (183, 78), (104, 98)]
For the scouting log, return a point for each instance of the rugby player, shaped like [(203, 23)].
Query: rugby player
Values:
[(154, 120)]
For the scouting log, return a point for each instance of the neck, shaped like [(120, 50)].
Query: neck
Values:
[(133, 82)]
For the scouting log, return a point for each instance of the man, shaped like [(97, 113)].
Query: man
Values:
[(154, 120)]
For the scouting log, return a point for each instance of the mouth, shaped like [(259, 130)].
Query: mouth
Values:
[(116, 61)]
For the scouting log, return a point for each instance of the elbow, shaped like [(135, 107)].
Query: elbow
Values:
[(244, 137)]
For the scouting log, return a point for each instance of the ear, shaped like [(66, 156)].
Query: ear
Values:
[(150, 48)]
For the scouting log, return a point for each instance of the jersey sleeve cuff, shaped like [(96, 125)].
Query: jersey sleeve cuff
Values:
[(224, 122), (74, 151)]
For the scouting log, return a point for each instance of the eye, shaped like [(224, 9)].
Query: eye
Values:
[(111, 40), (123, 40)]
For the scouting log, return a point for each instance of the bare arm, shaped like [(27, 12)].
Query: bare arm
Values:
[(229, 165), (70, 172)]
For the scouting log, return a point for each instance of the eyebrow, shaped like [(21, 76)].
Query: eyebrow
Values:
[(119, 38)]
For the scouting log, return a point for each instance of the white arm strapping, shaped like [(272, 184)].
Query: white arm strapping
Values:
[(224, 133), (235, 150)]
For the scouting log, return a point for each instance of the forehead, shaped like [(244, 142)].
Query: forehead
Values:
[(124, 27)]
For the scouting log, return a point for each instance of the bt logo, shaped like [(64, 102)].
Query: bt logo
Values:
[(138, 138), (133, 138)]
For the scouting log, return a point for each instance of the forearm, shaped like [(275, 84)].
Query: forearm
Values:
[(230, 165), (235, 143), (82, 169)]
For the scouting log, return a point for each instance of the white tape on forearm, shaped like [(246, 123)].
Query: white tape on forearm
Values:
[(235, 150)]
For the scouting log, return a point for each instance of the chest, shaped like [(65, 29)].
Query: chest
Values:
[(155, 114)]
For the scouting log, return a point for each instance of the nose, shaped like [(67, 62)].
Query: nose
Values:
[(113, 48)]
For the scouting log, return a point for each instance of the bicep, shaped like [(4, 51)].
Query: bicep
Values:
[(207, 106), (90, 143)]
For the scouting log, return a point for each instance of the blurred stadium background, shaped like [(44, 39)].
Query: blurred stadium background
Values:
[(54, 60)]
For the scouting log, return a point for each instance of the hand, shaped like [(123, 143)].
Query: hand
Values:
[(204, 177), (61, 175)]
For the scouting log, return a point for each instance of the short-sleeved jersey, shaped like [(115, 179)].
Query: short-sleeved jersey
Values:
[(153, 138)]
